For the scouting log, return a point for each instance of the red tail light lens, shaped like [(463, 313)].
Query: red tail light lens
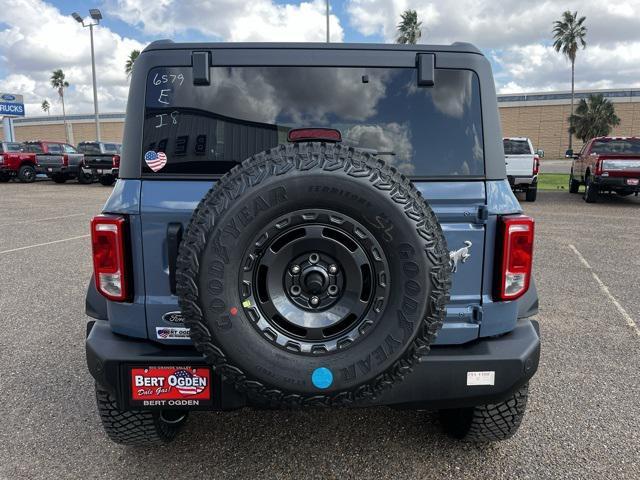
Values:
[(536, 164), (515, 250), (107, 241), (598, 167), (314, 134), (115, 161), (65, 160)]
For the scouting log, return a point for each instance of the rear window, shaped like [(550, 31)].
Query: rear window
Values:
[(33, 147), (90, 148), (422, 131), (10, 147), (621, 146), (516, 147)]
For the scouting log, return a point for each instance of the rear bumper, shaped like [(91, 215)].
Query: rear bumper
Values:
[(101, 170), (522, 182), (616, 183), (57, 169), (440, 380)]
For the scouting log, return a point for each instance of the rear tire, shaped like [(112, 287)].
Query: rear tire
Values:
[(85, 178), (574, 185), (58, 178), (107, 180), (591, 193), (135, 427), (531, 193), (4, 178), (487, 423), (27, 174)]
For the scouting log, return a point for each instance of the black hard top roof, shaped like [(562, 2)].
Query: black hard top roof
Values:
[(459, 47)]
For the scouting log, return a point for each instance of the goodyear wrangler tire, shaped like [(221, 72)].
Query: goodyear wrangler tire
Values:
[(313, 274)]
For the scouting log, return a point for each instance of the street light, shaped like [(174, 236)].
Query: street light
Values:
[(96, 15)]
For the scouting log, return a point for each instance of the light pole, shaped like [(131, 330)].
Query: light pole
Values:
[(96, 15), (328, 21)]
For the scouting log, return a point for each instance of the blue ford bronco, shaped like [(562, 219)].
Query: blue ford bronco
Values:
[(310, 225)]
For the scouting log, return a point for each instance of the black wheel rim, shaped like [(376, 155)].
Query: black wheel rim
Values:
[(314, 282)]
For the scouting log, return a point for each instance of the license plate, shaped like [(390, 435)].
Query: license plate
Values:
[(633, 181), (49, 169), (174, 386)]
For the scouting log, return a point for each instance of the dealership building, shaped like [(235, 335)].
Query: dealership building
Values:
[(540, 116)]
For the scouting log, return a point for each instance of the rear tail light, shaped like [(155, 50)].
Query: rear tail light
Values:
[(314, 134), (109, 256), (598, 167), (65, 160), (536, 164), (515, 253), (115, 161)]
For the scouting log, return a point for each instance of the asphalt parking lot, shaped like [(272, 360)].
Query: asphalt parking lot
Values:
[(582, 420)]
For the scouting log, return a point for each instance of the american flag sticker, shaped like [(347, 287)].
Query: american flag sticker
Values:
[(155, 160)]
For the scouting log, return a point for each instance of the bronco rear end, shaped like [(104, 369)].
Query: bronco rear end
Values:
[(301, 225)]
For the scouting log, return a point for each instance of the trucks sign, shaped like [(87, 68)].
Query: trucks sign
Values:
[(11, 105)]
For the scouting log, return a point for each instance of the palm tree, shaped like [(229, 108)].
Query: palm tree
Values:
[(59, 82), (568, 35), (409, 28), (45, 106), (128, 66), (593, 118)]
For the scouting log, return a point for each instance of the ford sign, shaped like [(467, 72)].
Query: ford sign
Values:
[(11, 105)]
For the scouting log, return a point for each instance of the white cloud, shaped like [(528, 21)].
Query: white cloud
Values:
[(517, 35), (30, 50), (231, 20)]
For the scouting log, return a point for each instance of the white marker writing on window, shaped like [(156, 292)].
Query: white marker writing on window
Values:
[(161, 116), (164, 93)]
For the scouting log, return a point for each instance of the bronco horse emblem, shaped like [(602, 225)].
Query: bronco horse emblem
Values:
[(459, 255)]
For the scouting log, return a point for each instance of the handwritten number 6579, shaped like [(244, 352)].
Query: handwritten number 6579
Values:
[(168, 78)]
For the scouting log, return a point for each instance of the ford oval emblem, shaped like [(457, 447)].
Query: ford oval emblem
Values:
[(8, 97), (173, 317)]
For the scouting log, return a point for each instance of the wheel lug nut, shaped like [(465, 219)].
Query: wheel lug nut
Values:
[(333, 290), (314, 257), (295, 269), (333, 269), (295, 290), (314, 301)]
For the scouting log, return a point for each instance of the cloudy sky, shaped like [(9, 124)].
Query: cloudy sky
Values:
[(38, 36)]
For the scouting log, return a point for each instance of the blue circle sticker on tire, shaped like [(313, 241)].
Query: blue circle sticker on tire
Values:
[(322, 377)]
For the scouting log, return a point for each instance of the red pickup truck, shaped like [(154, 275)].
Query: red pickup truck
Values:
[(16, 162), (606, 164)]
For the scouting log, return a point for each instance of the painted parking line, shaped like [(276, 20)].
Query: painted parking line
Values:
[(44, 244), (605, 290), (22, 222)]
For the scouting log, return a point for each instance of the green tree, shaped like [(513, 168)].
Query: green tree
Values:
[(128, 66), (568, 36), (46, 106), (59, 82), (594, 117), (409, 28)]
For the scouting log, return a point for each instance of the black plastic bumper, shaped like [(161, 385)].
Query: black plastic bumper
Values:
[(439, 380), (615, 183)]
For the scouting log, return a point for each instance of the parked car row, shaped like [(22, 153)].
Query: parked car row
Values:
[(60, 161), (603, 165)]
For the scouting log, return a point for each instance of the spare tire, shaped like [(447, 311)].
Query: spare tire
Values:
[(313, 273)]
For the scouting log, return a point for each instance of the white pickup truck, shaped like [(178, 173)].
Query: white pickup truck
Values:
[(523, 164)]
